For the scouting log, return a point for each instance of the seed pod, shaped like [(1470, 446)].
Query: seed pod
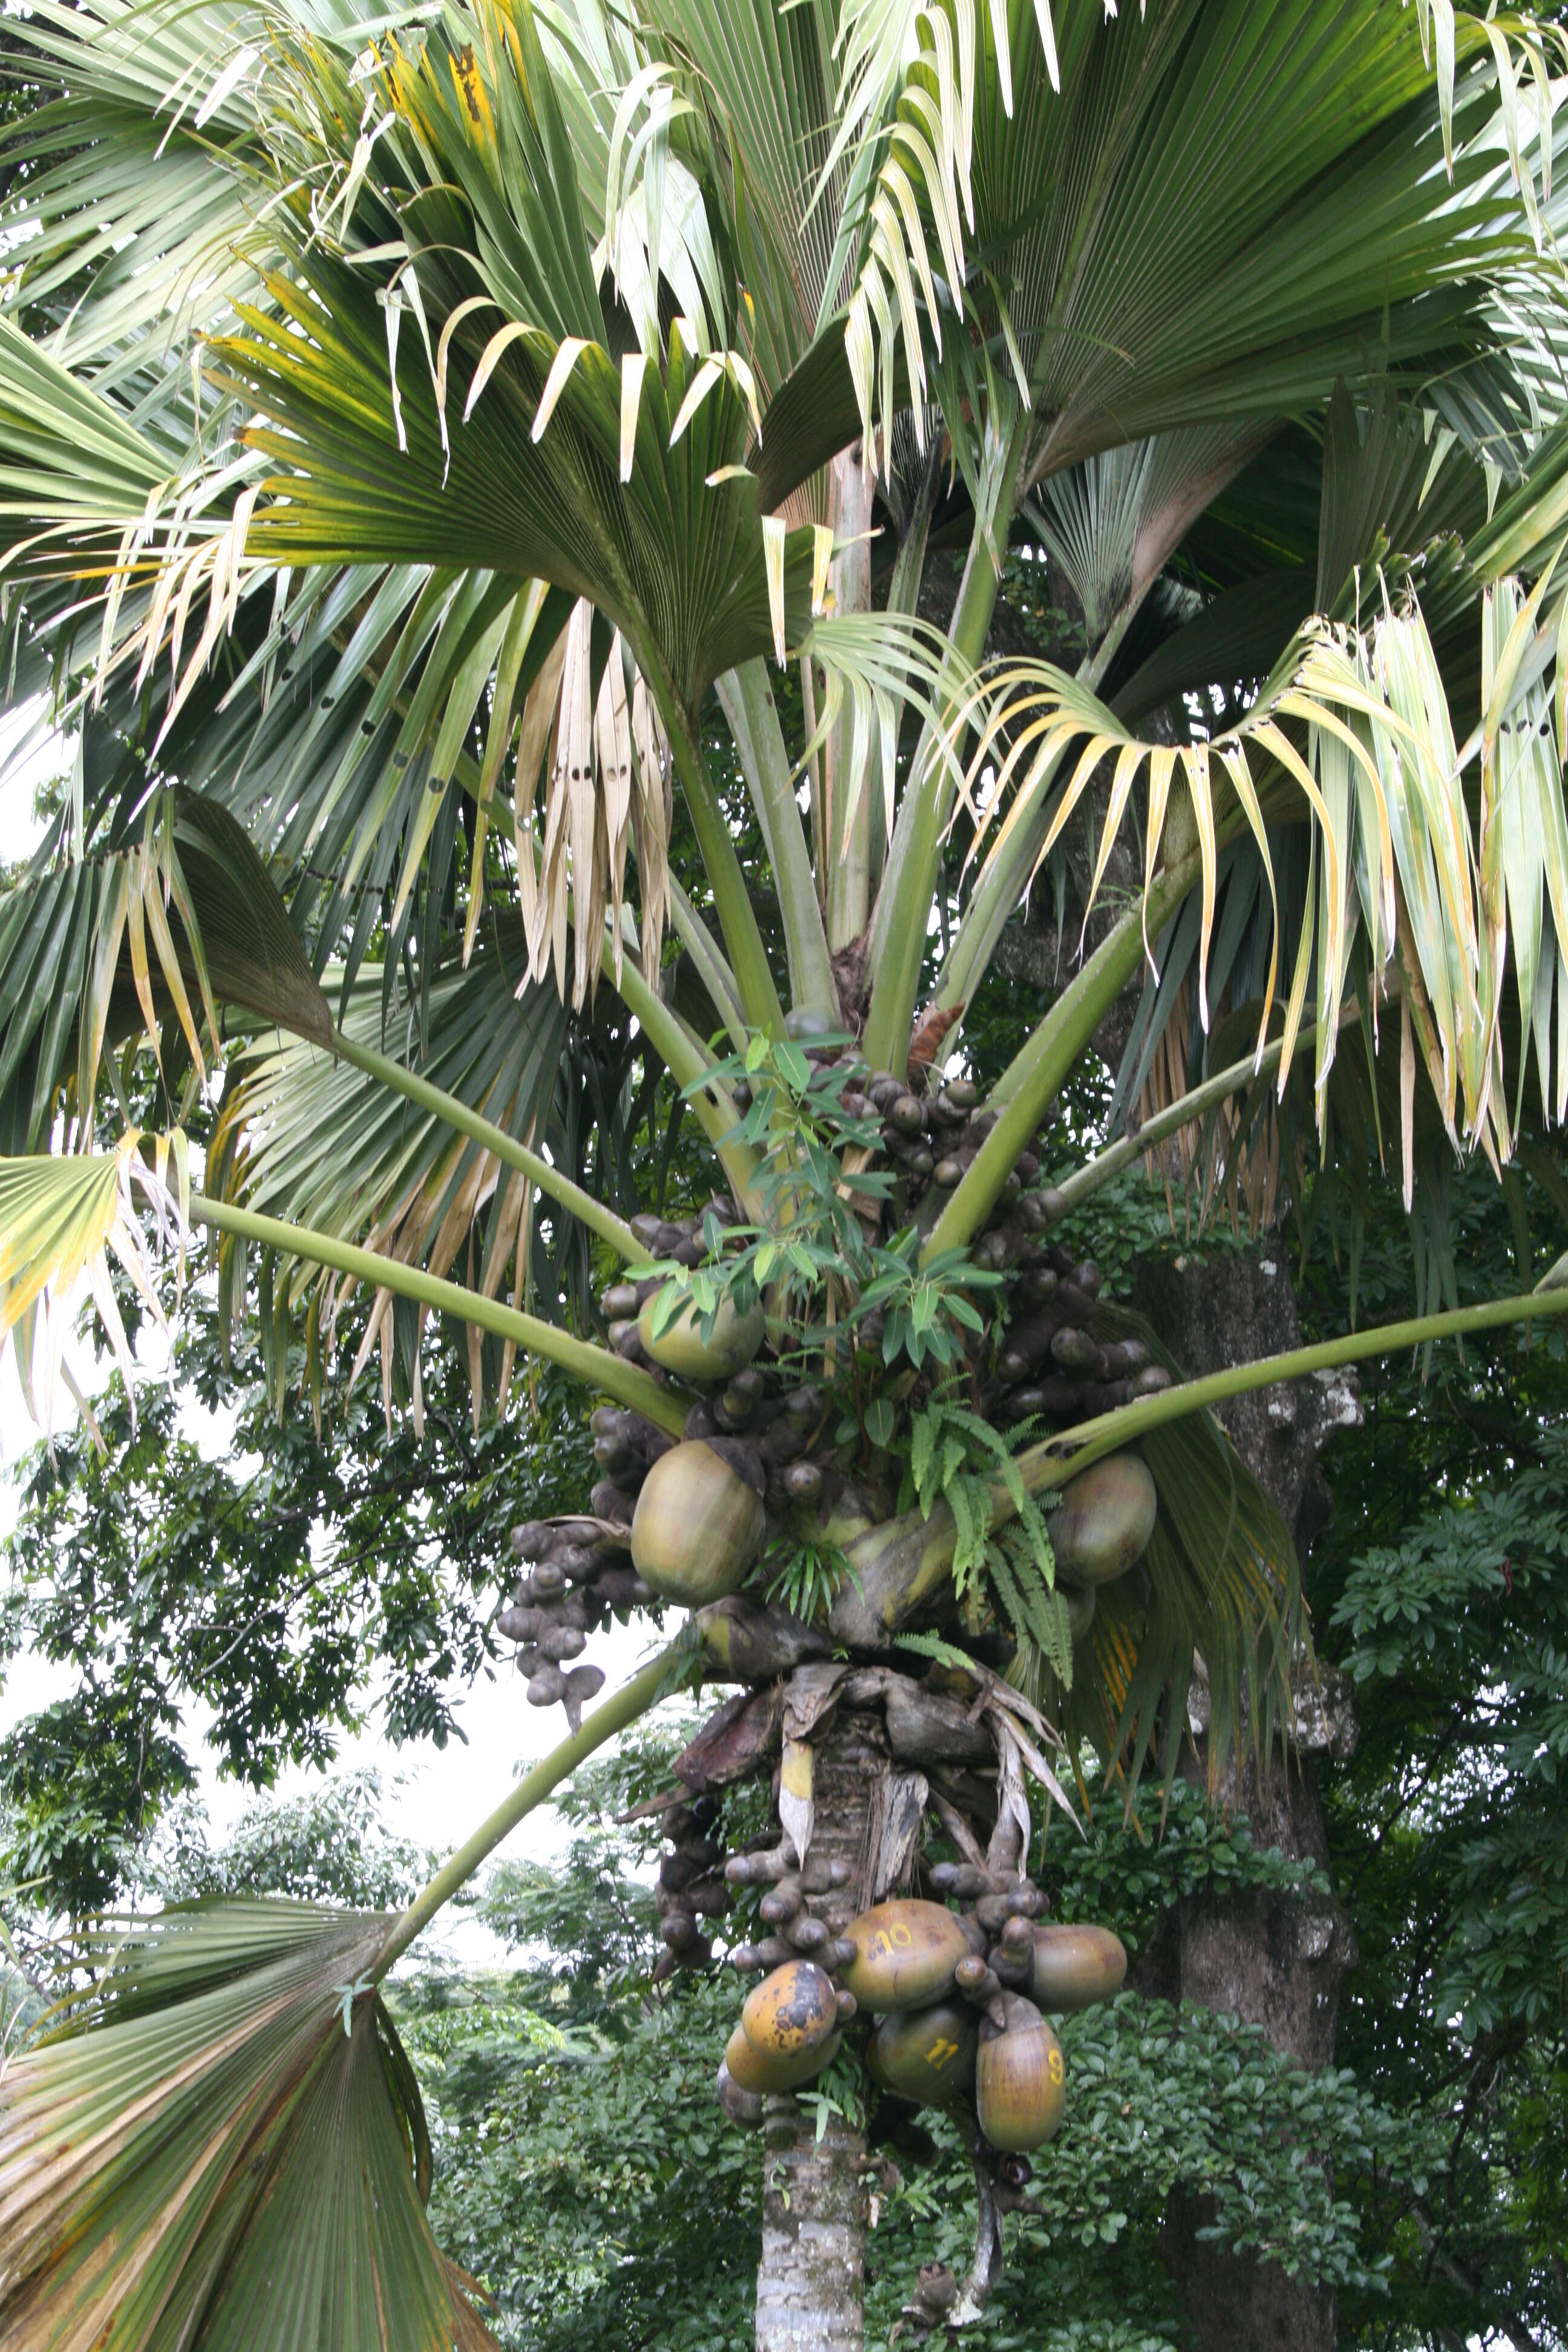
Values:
[(760, 2074), (1088, 1278), (681, 1348), (1076, 1967), (790, 2011), (742, 2107), (849, 2006), (679, 1930), (820, 1875), (530, 1540), (1022, 1900), (615, 1587), (613, 1456), (926, 2055), (1153, 1380), (1073, 1350), (976, 1979), (547, 1687), (608, 1420), (780, 1904), (1020, 2082), (947, 1173), (794, 2010), (905, 1955), (580, 1685), (1060, 1399), (773, 1952), (1104, 1520), (735, 1410), (519, 1624), (803, 1481), (678, 1870), (1013, 1956), (906, 1114), (549, 1582), (806, 1935), (710, 1898), (698, 1525), (960, 1878), (613, 1503), (1080, 1605), (559, 1641), (838, 1955), (1053, 1202), (805, 1403)]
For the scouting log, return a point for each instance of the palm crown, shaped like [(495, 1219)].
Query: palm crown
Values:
[(449, 458)]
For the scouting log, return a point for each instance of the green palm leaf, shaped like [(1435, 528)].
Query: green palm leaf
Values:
[(233, 2103), (180, 919)]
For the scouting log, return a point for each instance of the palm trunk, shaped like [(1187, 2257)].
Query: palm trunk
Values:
[(811, 2278), (1274, 1961)]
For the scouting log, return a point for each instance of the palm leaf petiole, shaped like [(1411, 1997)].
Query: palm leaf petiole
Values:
[(597, 1367)]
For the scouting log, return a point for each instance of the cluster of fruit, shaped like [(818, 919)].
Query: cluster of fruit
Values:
[(933, 1137), (1051, 1368), (577, 1572), (959, 1996), (692, 1885)]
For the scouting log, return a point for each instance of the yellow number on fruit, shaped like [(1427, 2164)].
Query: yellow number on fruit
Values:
[(901, 1935), (1054, 2066), (941, 2051)]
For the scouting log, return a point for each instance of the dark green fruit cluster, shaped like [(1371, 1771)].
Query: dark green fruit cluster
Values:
[(933, 1137), (1051, 1368)]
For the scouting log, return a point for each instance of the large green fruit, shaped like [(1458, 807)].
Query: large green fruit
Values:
[(925, 2055), (1076, 1967), (698, 1525), (793, 2009), (1020, 2087), (754, 2071), (905, 1953), (1104, 1519), (681, 1348)]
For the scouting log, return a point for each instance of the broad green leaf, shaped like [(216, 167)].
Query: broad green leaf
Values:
[(224, 2147)]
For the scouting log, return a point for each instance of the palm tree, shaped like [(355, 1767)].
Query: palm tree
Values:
[(456, 461)]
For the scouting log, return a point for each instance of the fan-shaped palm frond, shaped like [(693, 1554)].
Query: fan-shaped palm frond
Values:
[(61, 1220), (233, 2103), (176, 914)]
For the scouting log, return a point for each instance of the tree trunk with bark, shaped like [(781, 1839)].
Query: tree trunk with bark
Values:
[(811, 2278), (1276, 1961)]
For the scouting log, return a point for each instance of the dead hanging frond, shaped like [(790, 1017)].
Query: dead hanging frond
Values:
[(61, 1221), (593, 730), (1354, 727)]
